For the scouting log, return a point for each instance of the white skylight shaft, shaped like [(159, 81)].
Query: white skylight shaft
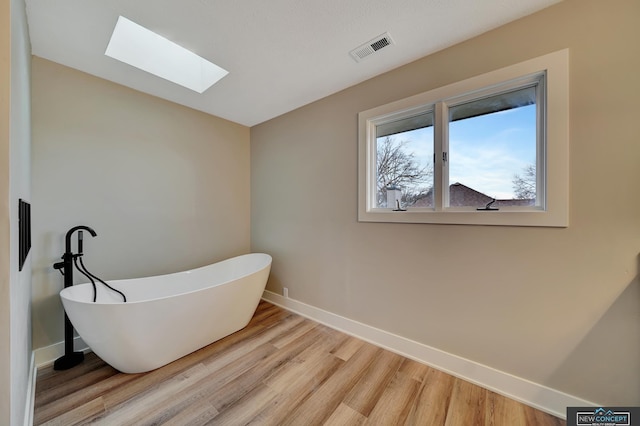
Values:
[(142, 48)]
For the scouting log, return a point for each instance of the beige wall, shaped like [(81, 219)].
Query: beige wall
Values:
[(165, 187), (15, 144), (5, 225), (560, 307), (20, 189)]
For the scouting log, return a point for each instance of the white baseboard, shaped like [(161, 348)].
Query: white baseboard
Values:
[(533, 394), (31, 391), (43, 357), (47, 355)]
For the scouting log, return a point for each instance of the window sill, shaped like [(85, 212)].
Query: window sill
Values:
[(468, 217)]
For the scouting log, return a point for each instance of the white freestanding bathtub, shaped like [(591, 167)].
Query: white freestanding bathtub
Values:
[(167, 316)]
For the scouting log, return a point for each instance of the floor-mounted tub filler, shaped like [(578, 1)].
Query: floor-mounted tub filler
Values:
[(169, 316)]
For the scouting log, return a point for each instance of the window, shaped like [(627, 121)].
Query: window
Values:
[(490, 150)]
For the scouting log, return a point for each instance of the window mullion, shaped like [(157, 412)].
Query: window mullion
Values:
[(371, 162), (440, 149), (541, 143)]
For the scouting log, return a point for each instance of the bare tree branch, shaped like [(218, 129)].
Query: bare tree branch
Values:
[(524, 186), (398, 167)]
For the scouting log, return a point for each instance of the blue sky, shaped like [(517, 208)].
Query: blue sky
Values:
[(485, 152)]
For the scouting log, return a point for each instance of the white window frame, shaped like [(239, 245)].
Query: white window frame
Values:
[(552, 202)]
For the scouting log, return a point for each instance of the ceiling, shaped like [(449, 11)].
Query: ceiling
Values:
[(280, 54)]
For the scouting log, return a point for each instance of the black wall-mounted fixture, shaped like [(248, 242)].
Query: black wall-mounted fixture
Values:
[(24, 232)]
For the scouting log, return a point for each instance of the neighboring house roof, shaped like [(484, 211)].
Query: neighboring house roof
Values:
[(462, 195)]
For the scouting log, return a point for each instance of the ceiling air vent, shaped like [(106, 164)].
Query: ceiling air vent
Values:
[(371, 47)]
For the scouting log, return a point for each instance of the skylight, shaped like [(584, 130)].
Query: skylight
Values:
[(137, 46)]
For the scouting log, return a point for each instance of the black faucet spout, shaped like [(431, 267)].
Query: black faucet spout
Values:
[(68, 254), (70, 233)]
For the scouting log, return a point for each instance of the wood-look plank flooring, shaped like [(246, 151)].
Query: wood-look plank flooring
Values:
[(282, 369)]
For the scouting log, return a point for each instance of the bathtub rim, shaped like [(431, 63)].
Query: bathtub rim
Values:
[(64, 293)]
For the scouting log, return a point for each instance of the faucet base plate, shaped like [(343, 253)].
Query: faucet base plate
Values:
[(66, 362)]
